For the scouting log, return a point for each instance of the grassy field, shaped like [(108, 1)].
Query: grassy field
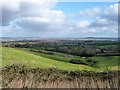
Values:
[(17, 56), (110, 62), (108, 46), (59, 56), (25, 57)]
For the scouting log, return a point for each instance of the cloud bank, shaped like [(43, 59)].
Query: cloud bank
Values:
[(39, 19)]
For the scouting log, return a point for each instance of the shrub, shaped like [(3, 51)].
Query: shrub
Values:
[(78, 62), (95, 62), (89, 61), (43, 51)]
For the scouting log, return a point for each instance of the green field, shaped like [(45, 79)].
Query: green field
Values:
[(59, 56), (25, 57), (108, 46), (17, 56)]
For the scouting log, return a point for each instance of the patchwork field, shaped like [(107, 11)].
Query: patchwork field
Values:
[(32, 59)]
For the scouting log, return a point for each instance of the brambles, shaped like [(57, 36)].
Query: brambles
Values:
[(39, 77)]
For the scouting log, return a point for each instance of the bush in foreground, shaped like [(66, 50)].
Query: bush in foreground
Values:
[(18, 76)]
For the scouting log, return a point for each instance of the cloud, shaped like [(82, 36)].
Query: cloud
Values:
[(89, 13), (14, 9), (47, 21), (35, 18), (107, 21), (9, 11), (106, 17), (103, 23), (111, 13)]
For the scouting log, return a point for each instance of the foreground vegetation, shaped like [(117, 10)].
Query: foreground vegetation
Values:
[(18, 76)]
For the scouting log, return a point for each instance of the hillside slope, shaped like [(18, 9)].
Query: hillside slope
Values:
[(17, 56)]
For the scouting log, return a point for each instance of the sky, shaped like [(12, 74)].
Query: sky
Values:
[(59, 19)]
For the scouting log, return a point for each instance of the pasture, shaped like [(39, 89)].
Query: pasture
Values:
[(58, 60)]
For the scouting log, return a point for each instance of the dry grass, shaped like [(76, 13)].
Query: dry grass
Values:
[(17, 76), (91, 83)]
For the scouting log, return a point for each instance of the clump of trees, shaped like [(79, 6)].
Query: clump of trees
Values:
[(86, 48)]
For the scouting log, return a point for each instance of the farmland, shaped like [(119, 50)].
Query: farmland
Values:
[(68, 56), (39, 60), (31, 60)]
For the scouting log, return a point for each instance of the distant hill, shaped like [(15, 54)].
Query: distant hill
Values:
[(100, 38), (108, 38)]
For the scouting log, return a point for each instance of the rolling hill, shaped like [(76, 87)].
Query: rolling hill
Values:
[(20, 56)]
